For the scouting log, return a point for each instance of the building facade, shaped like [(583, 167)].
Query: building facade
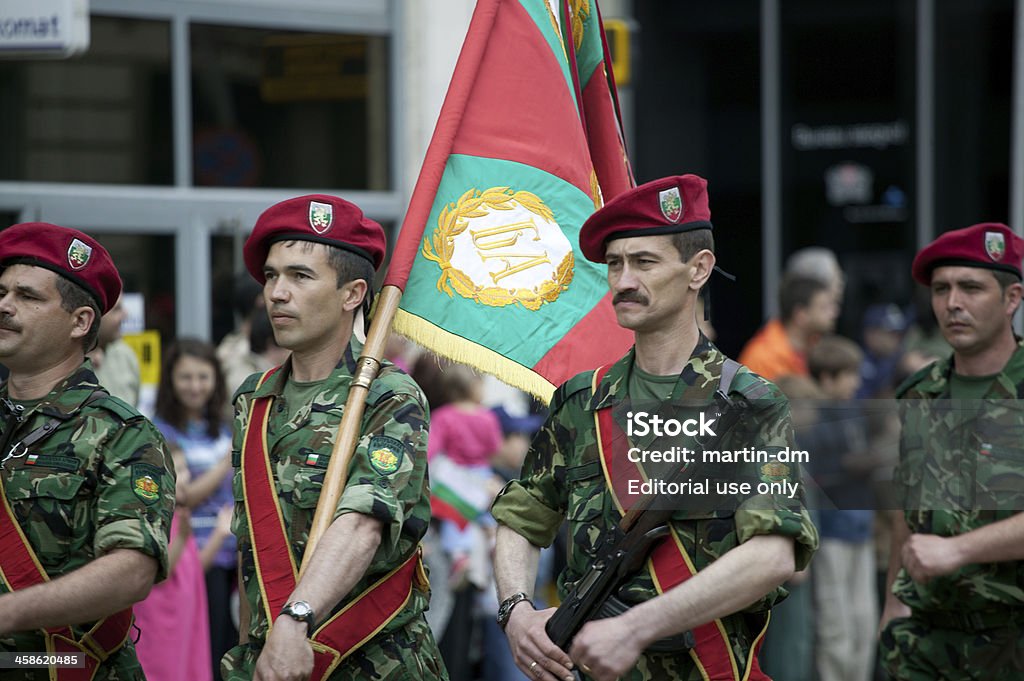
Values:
[(866, 126)]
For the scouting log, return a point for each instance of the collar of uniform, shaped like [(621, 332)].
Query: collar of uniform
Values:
[(613, 386), (1011, 378), (68, 396), (274, 386), (935, 382), (609, 392)]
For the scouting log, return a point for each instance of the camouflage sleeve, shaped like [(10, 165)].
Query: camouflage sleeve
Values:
[(387, 476), (780, 510), (239, 523), (534, 505), (136, 493)]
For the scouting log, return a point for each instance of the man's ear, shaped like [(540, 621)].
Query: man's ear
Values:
[(703, 263), (353, 294), (1013, 297), (82, 319)]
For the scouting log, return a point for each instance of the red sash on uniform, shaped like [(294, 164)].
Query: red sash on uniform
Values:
[(277, 574), (670, 564), (20, 569)]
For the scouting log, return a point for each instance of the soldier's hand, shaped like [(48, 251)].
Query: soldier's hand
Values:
[(894, 608), (926, 556), (532, 650), (606, 649), (287, 656)]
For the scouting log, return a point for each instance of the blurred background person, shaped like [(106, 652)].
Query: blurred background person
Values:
[(817, 262), (788, 650), (173, 623), (190, 411), (234, 352), (808, 308), (265, 350), (115, 363), (842, 464), (464, 437), (923, 333), (884, 328)]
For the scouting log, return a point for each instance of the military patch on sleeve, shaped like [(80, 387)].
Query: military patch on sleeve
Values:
[(385, 454), (774, 472), (146, 482)]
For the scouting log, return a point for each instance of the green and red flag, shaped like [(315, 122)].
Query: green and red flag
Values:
[(596, 82), (488, 255)]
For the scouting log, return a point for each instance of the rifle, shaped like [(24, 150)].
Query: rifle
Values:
[(625, 546)]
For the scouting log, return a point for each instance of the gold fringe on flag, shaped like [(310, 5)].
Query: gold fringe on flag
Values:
[(458, 349)]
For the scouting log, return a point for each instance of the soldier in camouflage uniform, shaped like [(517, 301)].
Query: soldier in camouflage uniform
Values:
[(315, 256), (657, 242), (955, 608), (88, 480)]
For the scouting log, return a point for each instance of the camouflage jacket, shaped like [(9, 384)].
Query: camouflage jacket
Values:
[(392, 488), (103, 480), (961, 468), (562, 479)]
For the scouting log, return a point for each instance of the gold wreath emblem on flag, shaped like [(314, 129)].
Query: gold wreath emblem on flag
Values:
[(579, 11), (513, 231)]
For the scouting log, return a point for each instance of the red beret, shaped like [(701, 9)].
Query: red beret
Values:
[(666, 206), (991, 245), (71, 254), (317, 217)]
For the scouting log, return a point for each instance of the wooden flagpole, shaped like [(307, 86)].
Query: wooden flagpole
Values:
[(348, 430)]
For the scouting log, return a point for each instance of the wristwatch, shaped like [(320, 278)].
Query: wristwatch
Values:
[(505, 609), (301, 611)]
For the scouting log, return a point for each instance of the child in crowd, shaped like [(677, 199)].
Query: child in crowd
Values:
[(844, 567), (190, 411), (174, 637), (467, 434), (788, 650)]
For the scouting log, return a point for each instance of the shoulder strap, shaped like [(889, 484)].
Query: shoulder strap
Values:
[(581, 381), (753, 390), (47, 429), (729, 370), (113, 404)]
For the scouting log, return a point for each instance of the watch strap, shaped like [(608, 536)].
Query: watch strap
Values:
[(507, 605), (309, 618)]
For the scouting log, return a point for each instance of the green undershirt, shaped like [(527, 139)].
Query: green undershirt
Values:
[(969, 387), (650, 387)]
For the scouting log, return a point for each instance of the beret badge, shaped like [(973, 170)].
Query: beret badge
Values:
[(995, 245), (321, 215), (671, 204), (79, 254)]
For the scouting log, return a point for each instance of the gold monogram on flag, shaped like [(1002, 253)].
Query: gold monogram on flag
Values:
[(500, 247)]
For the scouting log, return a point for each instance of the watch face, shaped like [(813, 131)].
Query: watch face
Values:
[(506, 607), (300, 608)]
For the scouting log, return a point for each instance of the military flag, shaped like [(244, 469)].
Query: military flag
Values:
[(526, 147)]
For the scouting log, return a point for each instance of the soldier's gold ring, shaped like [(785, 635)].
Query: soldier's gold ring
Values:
[(533, 667)]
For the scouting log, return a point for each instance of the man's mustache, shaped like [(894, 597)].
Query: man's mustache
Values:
[(630, 297), (6, 323)]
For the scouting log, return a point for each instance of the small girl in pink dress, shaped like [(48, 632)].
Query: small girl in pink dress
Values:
[(174, 638)]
